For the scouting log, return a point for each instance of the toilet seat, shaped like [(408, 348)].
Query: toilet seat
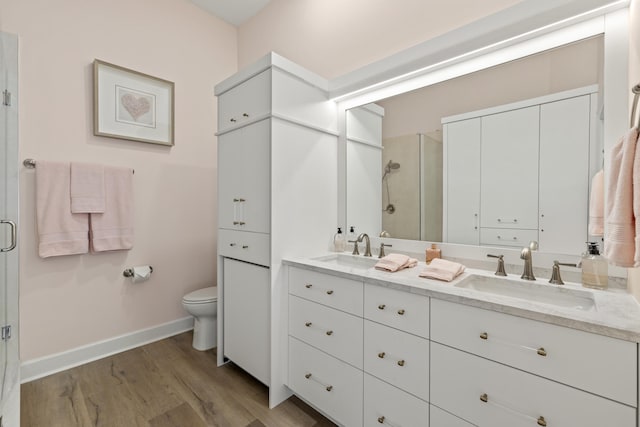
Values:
[(202, 296)]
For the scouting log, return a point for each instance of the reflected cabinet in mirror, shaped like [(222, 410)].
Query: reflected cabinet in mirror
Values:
[(498, 157)]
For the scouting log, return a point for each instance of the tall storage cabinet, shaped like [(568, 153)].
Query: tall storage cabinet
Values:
[(521, 172), (277, 197)]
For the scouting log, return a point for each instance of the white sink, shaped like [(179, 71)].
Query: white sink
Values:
[(346, 260), (544, 293)]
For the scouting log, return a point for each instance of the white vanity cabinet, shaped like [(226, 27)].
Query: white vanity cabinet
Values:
[(277, 170), (521, 172), (495, 369)]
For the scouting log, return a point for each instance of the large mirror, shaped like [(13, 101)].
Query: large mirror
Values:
[(406, 176)]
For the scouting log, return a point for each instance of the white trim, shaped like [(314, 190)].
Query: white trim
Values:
[(572, 93), (47, 365), (365, 142), (332, 132)]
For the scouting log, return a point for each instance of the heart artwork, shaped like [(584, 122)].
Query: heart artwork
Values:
[(136, 106)]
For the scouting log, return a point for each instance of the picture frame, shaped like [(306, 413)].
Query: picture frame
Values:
[(132, 105)]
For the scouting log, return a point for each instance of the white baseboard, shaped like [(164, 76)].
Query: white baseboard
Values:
[(47, 365)]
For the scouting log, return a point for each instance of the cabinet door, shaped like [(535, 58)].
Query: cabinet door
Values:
[(509, 169), (564, 174), (244, 178), (462, 189), (246, 317)]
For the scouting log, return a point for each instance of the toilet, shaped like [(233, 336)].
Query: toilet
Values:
[(202, 304)]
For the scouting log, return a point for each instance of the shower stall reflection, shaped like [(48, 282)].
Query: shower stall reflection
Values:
[(412, 195)]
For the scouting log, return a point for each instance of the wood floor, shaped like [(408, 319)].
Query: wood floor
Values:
[(163, 384)]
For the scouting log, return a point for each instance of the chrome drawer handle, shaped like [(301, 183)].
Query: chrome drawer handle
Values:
[(329, 292), (308, 285), (14, 235), (329, 333), (381, 307), (401, 312)]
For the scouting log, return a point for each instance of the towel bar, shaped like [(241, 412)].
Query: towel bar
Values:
[(31, 164)]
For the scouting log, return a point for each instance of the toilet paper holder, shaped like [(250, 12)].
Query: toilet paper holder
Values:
[(129, 272)]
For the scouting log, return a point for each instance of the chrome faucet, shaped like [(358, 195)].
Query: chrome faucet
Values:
[(367, 242), (527, 273)]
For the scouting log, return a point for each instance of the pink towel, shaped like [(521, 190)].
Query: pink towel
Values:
[(60, 232), (396, 262), (442, 269), (113, 229), (596, 205), (623, 199), (87, 188)]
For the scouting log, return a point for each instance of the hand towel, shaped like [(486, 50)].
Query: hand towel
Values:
[(396, 262), (113, 229), (60, 232), (596, 205), (621, 236), (442, 269), (87, 188)]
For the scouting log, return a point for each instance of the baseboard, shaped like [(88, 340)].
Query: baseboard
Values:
[(41, 367)]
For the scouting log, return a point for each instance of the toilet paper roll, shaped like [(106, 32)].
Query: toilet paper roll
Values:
[(141, 273)]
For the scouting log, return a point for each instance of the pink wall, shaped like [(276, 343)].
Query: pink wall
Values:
[(67, 302), (333, 37)]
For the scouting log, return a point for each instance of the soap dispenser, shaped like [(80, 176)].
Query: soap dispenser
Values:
[(594, 268), (339, 243)]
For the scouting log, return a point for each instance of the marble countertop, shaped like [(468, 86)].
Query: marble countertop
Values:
[(616, 314)]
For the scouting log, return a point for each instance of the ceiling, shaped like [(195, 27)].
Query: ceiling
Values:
[(235, 12)]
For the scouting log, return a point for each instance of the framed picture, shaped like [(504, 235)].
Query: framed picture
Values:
[(131, 105)]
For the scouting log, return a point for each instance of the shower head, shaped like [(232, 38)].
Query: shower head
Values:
[(392, 165)]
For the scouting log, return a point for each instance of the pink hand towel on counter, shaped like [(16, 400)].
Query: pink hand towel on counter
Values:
[(396, 262), (87, 188), (442, 269), (113, 229), (60, 232)]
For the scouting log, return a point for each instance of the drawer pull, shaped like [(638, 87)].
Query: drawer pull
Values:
[(381, 307), (308, 285), (245, 115), (232, 244), (542, 352), (400, 362), (308, 324), (515, 221), (329, 333), (236, 222), (245, 247), (329, 292), (484, 336), (401, 312), (236, 200), (241, 222), (232, 120), (381, 355), (326, 386), (540, 420), (381, 420)]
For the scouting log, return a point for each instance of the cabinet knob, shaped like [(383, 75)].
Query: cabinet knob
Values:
[(232, 244), (308, 285), (400, 362), (484, 397), (330, 387), (381, 355), (236, 222), (308, 324), (307, 376), (542, 352), (401, 312), (381, 420), (232, 120), (329, 333), (484, 336), (329, 292), (245, 247), (381, 307), (541, 421), (245, 115)]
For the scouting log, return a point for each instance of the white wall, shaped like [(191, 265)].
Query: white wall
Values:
[(66, 302), (333, 37)]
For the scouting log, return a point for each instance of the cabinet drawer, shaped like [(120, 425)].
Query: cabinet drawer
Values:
[(398, 358), (330, 385), (507, 237), (336, 292), (387, 405), (398, 309), (440, 418), (491, 394), (598, 364), (332, 331), (245, 246), (250, 99)]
